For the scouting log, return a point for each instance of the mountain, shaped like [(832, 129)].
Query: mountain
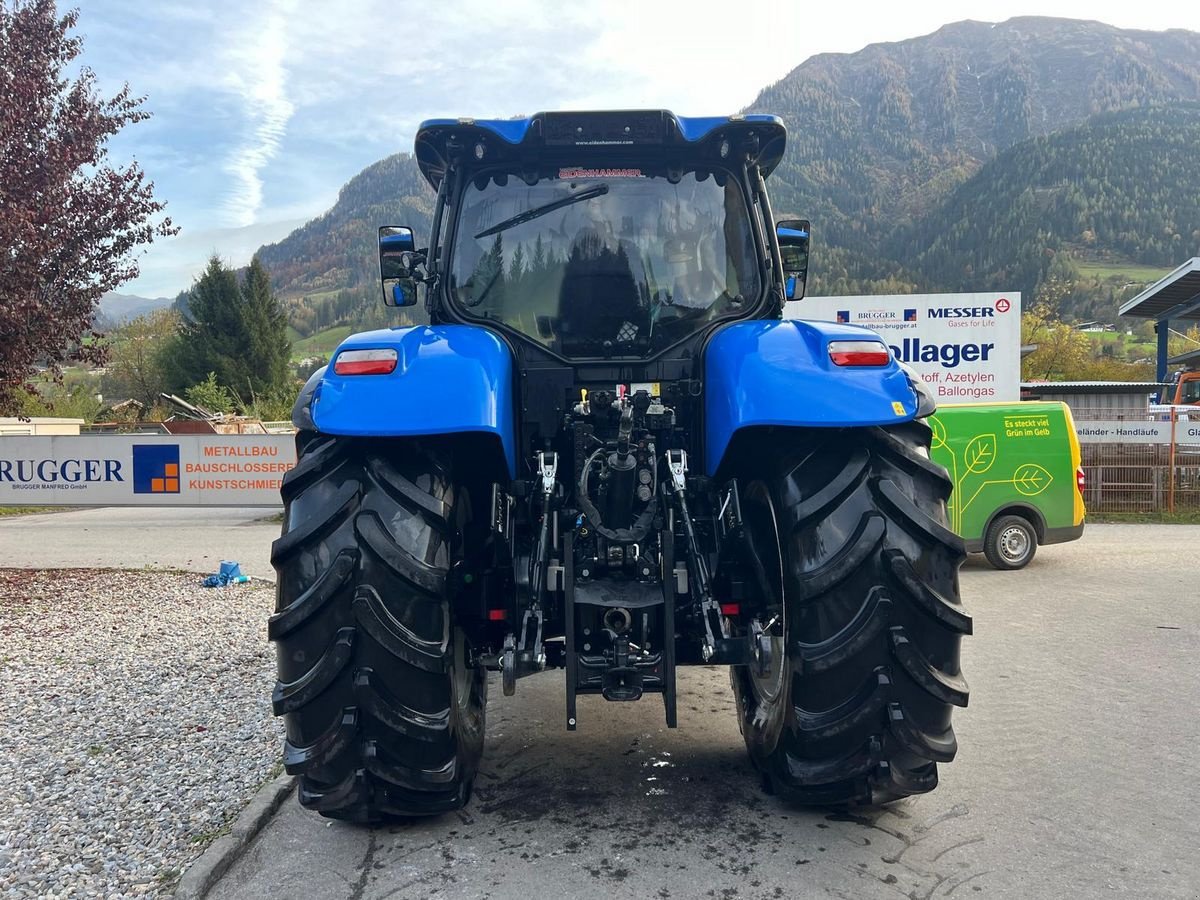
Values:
[(890, 130), (1123, 182), (891, 152), (118, 308), (329, 267)]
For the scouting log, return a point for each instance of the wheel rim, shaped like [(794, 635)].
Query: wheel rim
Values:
[(762, 529), (1014, 543)]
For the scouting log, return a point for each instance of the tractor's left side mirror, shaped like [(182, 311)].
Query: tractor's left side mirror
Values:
[(793, 247), (398, 261)]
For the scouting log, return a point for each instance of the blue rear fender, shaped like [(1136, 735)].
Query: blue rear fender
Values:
[(448, 379), (778, 372)]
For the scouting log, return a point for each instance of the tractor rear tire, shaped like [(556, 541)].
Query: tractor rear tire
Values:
[(382, 702), (850, 529)]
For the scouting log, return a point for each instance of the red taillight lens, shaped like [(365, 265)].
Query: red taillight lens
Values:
[(859, 353), (1080, 480), (365, 362)]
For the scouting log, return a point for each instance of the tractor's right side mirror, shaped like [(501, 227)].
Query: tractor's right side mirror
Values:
[(398, 261), (793, 247)]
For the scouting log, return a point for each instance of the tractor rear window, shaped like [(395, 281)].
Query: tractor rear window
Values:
[(604, 262)]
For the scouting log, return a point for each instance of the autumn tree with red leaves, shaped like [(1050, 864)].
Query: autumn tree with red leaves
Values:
[(69, 219)]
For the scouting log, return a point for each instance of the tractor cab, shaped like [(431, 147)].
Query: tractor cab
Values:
[(613, 235)]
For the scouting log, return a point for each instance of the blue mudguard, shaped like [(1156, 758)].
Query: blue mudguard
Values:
[(448, 379), (778, 372)]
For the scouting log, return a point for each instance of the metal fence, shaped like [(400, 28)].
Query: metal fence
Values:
[(1149, 463)]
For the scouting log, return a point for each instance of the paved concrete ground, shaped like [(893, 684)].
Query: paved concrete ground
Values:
[(132, 538), (1075, 776)]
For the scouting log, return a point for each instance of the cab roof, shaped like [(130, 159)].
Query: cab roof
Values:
[(593, 136)]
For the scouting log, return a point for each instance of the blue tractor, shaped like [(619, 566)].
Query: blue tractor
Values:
[(608, 453)]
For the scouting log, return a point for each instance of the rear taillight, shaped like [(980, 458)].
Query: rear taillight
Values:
[(365, 362), (1080, 480), (858, 353)]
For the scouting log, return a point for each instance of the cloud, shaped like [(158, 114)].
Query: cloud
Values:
[(259, 75), (262, 111), (170, 265)]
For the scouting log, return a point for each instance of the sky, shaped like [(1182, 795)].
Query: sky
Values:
[(262, 111)]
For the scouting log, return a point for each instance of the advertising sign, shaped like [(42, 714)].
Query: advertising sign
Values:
[(144, 470), (967, 347), (1124, 431)]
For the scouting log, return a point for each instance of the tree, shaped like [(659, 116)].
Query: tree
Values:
[(238, 334), (69, 219), (136, 364), (1062, 351), (1184, 342), (269, 352), (212, 335), (210, 396)]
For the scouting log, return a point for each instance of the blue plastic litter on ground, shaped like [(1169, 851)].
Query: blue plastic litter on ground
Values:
[(230, 573)]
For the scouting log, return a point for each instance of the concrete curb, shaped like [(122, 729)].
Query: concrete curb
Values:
[(201, 876)]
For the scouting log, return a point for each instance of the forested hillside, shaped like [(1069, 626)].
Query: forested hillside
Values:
[(881, 138), (1120, 186), (980, 156), (328, 269)]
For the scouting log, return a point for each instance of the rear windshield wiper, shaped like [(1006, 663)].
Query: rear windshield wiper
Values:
[(529, 215)]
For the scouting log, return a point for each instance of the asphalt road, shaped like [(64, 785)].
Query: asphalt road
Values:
[(1074, 779), (135, 537)]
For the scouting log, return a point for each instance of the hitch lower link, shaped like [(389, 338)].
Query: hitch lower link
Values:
[(525, 655), (753, 650), (710, 610)]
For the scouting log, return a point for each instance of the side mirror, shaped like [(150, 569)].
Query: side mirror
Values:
[(793, 247), (398, 261)]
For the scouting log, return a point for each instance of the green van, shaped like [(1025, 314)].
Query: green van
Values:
[(1017, 476)]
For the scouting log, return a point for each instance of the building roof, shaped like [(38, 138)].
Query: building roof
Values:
[(39, 420), (1175, 296), (1191, 358), (1091, 387)]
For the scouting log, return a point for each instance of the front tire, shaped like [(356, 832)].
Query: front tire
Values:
[(1010, 543), (848, 531), (382, 702)]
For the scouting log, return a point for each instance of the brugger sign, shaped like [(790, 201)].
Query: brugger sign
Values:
[(967, 347), (144, 470)]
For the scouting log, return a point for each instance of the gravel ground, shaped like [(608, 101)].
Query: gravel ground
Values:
[(136, 723)]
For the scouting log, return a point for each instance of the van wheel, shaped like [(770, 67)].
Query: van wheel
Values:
[(1010, 543)]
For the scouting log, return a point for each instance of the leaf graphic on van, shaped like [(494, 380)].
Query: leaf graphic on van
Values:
[(938, 439), (980, 453), (1031, 479)]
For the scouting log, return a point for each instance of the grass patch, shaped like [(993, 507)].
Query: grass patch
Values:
[(321, 343), (1180, 517), (1132, 348), (31, 510), (204, 838), (168, 878), (1124, 271)]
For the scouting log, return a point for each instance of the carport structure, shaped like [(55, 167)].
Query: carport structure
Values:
[(1175, 296)]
